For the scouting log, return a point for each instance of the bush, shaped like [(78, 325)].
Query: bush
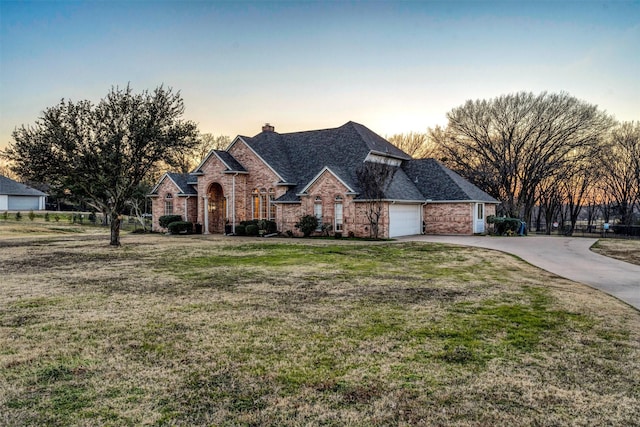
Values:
[(180, 227), (307, 224), (56, 217), (32, 216), (46, 217), (18, 216), (252, 230), (269, 227), (165, 220), (241, 230), (503, 225), (5, 215)]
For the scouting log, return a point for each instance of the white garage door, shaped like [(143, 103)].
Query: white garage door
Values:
[(24, 203), (404, 220)]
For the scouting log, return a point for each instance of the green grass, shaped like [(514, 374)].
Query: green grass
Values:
[(192, 331)]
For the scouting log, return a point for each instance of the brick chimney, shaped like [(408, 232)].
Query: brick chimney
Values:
[(268, 128)]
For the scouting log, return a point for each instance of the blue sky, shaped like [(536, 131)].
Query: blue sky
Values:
[(392, 66)]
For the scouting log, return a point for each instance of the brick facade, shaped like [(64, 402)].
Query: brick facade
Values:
[(185, 206)]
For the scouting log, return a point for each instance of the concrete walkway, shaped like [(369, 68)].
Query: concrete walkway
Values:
[(568, 257)]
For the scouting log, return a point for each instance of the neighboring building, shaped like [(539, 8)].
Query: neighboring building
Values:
[(282, 177), (15, 196)]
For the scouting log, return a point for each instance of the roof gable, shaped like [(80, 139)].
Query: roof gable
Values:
[(320, 174), (181, 181), (14, 188), (227, 160)]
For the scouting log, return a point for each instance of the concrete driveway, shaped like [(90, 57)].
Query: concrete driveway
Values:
[(568, 257)]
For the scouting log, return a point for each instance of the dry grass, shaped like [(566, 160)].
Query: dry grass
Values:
[(624, 250), (215, 331)]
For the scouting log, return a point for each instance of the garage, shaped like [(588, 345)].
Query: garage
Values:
[(404, 220), (24, 203)]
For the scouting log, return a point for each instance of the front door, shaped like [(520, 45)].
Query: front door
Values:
[(478, 222), (217, 208)]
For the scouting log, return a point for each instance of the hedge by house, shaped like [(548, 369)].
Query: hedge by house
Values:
[(178, 227), (165, 220)]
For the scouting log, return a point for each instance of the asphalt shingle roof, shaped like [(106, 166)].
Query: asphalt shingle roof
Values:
[(438, 183), (13, 188), (182, 180), (298, 157)]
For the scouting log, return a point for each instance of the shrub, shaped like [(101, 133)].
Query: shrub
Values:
[(56, 217), (92, 217), (165, 220), (46, 217), (5, 215), (241, 230), (178, 227), (18, 216), (268, 226), (307, 224), (252, 230), (504, 225), (31, 216)]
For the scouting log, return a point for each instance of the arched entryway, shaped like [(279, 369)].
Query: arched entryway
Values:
[(216, 208)]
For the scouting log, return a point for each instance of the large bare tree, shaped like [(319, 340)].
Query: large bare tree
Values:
[(103, 152), (417, 145), (508, 145), (620, 161)]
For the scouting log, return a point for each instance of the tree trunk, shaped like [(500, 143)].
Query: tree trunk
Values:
[(115, 229)]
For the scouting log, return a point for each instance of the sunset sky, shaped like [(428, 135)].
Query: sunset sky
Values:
[(392, 66)]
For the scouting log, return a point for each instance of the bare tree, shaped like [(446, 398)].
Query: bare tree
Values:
[(621, 165), (417, 145), (373, 180), (510, 144)]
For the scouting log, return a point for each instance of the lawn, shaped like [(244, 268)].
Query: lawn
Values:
[(627, 250), (197, 330)]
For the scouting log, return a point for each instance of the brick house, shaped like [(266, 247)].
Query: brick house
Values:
[(282, 177)]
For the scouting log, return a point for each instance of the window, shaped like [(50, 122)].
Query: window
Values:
[(480, 211), (168, 205), (317, 212), (263, 204), (272, 206), (255, 211), (338, 214)]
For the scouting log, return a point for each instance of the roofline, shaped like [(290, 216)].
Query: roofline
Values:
[(294, 202), (239, 138), (238, 172), (206, 159), (164, 175), (381, 153), (324, 169), (464, 201)]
